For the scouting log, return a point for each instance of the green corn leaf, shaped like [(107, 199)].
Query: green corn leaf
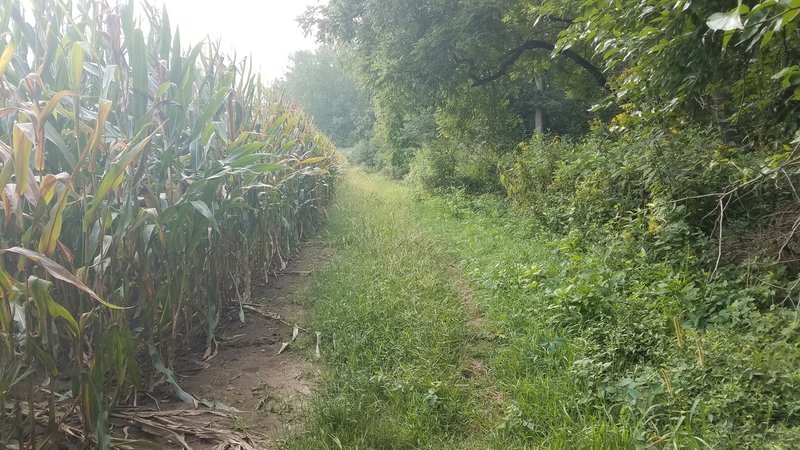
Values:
[(52, 231), (40, 289), (266, 168), (139, 67), (52, 135), (214, 105), (169, 376), (45, 359), (203, 209), (113, 178)]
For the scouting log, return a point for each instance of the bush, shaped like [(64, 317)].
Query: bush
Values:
[(365, 153), (442, 165), (669, 336)]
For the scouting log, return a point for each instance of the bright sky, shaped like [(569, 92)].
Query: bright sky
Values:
[(267, 29)]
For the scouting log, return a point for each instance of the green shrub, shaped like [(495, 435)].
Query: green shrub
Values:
[(442, 165)]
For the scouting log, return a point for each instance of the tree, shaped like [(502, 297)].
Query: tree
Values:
[(668, 62), (321, 84), (431, 53)]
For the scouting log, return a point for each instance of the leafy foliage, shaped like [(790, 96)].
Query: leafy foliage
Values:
[(327, 91), (674, 68), (478, 72), (652, 260)]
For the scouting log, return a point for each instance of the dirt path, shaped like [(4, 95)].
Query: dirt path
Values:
[(266, 388)]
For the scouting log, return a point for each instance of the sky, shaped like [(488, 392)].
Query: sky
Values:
[(267, 29)]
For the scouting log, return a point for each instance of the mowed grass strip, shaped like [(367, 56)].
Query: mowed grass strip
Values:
[(394, 330)]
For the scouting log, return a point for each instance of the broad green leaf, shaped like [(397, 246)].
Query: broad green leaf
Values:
[(44, 359), (203, 209), (52, 135), (214, 104), (725, 21), (139, 67), (40, 289), (113, 177), (169, 376), (266, 168)]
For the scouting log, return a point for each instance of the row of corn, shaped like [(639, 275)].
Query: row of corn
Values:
[(145, 183)]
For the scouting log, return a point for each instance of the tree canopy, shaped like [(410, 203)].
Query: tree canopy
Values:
[(710, 62), (327, 90), (480, 66)]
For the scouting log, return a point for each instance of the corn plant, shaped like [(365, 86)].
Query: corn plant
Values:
[(144, 184)]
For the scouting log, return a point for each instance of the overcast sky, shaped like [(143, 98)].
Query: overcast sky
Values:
[(266, 28)]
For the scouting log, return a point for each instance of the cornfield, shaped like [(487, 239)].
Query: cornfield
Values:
[(145, 184)]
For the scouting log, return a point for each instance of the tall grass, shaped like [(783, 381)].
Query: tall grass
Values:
[(144, 184)]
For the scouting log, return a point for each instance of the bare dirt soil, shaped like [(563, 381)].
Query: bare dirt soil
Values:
[(267, 389)]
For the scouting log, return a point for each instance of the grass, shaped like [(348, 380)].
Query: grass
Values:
[(506, 258), (454, 322), (394, 334), (402, 337)]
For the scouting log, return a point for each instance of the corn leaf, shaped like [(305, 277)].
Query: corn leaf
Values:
[(113, 177), (58, 272), (52, 231), (22, 156)]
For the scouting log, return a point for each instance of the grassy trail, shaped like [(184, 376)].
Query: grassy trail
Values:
[(396, 337), (424, 346)]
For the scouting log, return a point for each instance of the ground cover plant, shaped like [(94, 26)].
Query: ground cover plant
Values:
[(465, 322), (618, 182), (394, 327), (145, 183)]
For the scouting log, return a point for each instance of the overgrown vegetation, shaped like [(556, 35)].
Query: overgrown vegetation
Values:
[(619, 340), (342, 110), (651, 147), (145, 183)]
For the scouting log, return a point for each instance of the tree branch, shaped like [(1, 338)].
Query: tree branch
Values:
[(559, 19), (512, 57)]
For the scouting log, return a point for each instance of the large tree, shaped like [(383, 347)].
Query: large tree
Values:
[(433, 53), (321, 83)]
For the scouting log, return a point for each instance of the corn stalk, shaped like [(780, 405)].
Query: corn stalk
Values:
[(136, 172)]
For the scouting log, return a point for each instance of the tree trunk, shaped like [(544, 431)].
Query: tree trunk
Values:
[(538, 110)]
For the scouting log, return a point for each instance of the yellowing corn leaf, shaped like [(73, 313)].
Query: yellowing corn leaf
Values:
[(103, 109), (22, 156), (51, 232), (77, 66), (314, 160), (51, 105), (5, 58), (47, 187)]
